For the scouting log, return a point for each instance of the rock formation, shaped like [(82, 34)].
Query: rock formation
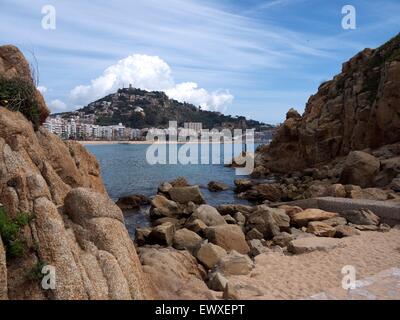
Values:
[(55, 212), (357, 109)]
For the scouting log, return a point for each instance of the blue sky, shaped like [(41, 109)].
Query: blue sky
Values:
[(254, 58)]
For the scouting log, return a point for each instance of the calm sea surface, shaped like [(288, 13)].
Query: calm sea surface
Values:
[(126, 171)]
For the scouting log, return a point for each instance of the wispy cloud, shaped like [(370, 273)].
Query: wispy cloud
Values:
[(244, 50)]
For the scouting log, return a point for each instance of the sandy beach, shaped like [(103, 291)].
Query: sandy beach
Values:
[(301, 276)]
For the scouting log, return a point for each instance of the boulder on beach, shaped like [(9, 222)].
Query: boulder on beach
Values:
[(163, 207), (162, 234), (234, 264), (321, 229), (186, 239), (346, 231), (268, 221), (209, 254), (308, 244), (361, 216), (209, 215), (229, 237), (304, 217), (360, 169)]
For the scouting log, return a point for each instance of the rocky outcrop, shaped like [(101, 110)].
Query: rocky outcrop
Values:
[(14, 66), (357, 109), (54, 197)]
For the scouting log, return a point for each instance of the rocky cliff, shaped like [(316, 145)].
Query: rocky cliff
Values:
[(357, 109), (55, 211)]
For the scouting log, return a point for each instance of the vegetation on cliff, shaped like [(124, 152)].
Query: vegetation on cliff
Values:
[(18, 94)]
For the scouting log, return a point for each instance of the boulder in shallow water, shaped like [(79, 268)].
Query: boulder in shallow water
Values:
[(163, 207), (186, 194), (132, 202), (216, 186)]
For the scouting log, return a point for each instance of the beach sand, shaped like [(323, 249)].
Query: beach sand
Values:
[(278, 276)]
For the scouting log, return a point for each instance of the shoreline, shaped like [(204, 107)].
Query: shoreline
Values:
[(95, 142)]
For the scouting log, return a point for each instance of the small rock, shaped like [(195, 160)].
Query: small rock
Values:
[(186, 239), (304, 245), (336, 221), (291, 210), (162, 234), (367, 227), (209, 215), (179, 182), (186, 194), (132, 202), (230, 293), (361, 217), (196, 226), (141, 235), (240, 218), (283, 239), (210, 254), (346, 231), (254, 234), (234, 264), (215, 186), (383, 227), (163, 207), (229, 219), (304, 217), (229, 237), (217, 282), (256, 247), (165, 187), (321, 229)]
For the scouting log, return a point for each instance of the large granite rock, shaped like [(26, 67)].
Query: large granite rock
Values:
[(360, 169), (268, 221), (3, 272), (186, 239), (209, 254), (304, 217), (209, 215), (357, 109), (176, 274), (76, 227), (229, 237), (361, 216), (186, 194)]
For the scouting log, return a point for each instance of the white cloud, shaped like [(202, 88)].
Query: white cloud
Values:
[(189, 92), (42, 89), (148, 73), (57, 106)]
